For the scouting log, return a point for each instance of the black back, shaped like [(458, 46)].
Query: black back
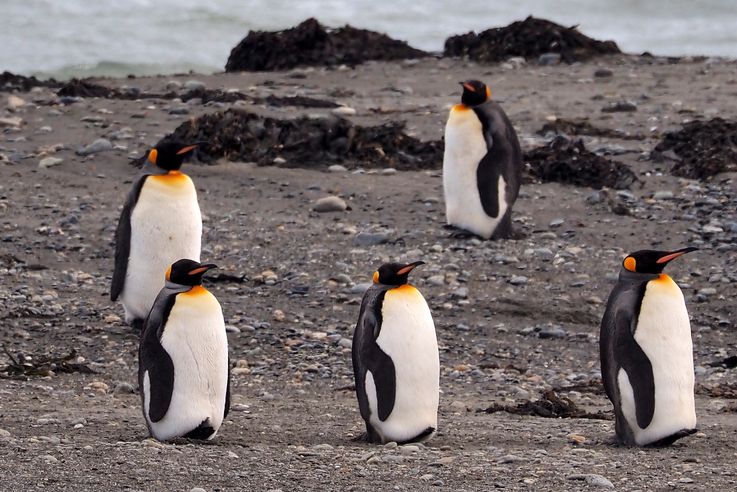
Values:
[(153, 358), (503, 158), (368, 356), (123, 238), (619, 350)]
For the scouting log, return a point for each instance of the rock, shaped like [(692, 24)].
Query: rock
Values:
[(603, 73), (389, 171), (708, 291), (11, 122), (122, 388), (663, 195), (711, 229), (330, 204), (370, 238), (556, 223), (344, 111), (15, 102), (359, 288), (593, 480), (518, 280), (48, 162), (197, 489), (98, 386), (620, 107), (436, 280), (549, 59), (460, 293), (279, 315), (4, 433), (99, 145), (193, 85), (337, 168), (553, 331)]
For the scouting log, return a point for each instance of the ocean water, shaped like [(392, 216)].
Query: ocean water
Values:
[(65, 38)]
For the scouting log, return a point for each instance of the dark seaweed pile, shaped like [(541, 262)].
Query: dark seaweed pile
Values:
[(311, 44), (21, 365), (568, 161), (529, 38), (10, 82), (306, 142), (550, 405), (705, 148), (583, 127)]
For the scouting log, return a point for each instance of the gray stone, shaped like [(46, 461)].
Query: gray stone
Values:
[(518, 280), (344, 111), (4, 433), (543, 254), (99, 145), (330, 204), (48, 162), (389, 171), (337, 168), (603, 73), (11, 122), (191, 85), (556, 223), (359, 288), (596, 197), (460, 293), (553, 331), (122, 387), (708, 291), (620, 107), (593, 479), (663, 195), (436, 280), (549, 59), (371, 238)]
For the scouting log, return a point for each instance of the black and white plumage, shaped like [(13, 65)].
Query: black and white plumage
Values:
[(482, 165), (160, 223), (183, 368), (647, 354), (395, 360)]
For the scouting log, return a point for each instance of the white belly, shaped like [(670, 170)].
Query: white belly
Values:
[(166, 226), (464, 148), (664, 334), (408, 337), (195, 340)]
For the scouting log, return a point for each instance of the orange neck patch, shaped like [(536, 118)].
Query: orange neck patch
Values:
[(174, 178), (460, 107), (195, 291)]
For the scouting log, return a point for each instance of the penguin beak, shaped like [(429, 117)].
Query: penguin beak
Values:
[(675, 254), (408, 268), (467, 86), (202, 269), (186, 149)]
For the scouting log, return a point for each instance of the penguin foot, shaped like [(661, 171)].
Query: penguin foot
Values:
[(667, 441), (462, 234), (138, 324)]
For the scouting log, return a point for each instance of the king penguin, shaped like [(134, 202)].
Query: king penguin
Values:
[(482, 165), (183, 368), (159, 224), (395, 359), (646, 353)]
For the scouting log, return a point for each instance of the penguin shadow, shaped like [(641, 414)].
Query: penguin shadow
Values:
[(462, 234)]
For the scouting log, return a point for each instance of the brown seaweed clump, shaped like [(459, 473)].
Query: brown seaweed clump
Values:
[(10, 82), (529, 38), (568, 161), (550, 405), (239, 135), (705, 148), (583, 127), (311, 44)]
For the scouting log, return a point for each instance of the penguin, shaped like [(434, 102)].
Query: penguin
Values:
[(482, 165), (395, 359), (183, 365), (159, 224), (647, 354)]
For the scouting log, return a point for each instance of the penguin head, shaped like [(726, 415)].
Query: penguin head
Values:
[(649, 261), (475, 92), (169, 155), (394, 273), (187, 272)]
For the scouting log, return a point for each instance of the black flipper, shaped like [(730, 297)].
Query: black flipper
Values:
[(227, 393), (202, 431), (123, 239), (154, 359), (639, 370), (368, 356), (487, 179)]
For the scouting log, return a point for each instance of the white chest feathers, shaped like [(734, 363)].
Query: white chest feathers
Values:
[(664, 334), (166, 226), (195, 339), (408, 336), (465, 147)]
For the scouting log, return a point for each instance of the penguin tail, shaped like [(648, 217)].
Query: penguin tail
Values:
[(202, 431)]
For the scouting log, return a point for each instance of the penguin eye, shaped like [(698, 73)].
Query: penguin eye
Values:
[(630, 264)]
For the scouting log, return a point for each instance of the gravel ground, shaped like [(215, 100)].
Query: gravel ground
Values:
[(513, 318)]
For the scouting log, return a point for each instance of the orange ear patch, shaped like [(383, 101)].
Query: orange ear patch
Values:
[(376, 277), (152, 155), (630, 264), (168, 273), (488, 92)]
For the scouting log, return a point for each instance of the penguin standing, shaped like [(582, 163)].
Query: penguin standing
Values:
[(159, 224), (482, 165), (183, 368), (646, 353), (395, 359)]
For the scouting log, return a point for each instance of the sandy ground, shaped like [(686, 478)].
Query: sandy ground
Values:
[(294, 413)]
